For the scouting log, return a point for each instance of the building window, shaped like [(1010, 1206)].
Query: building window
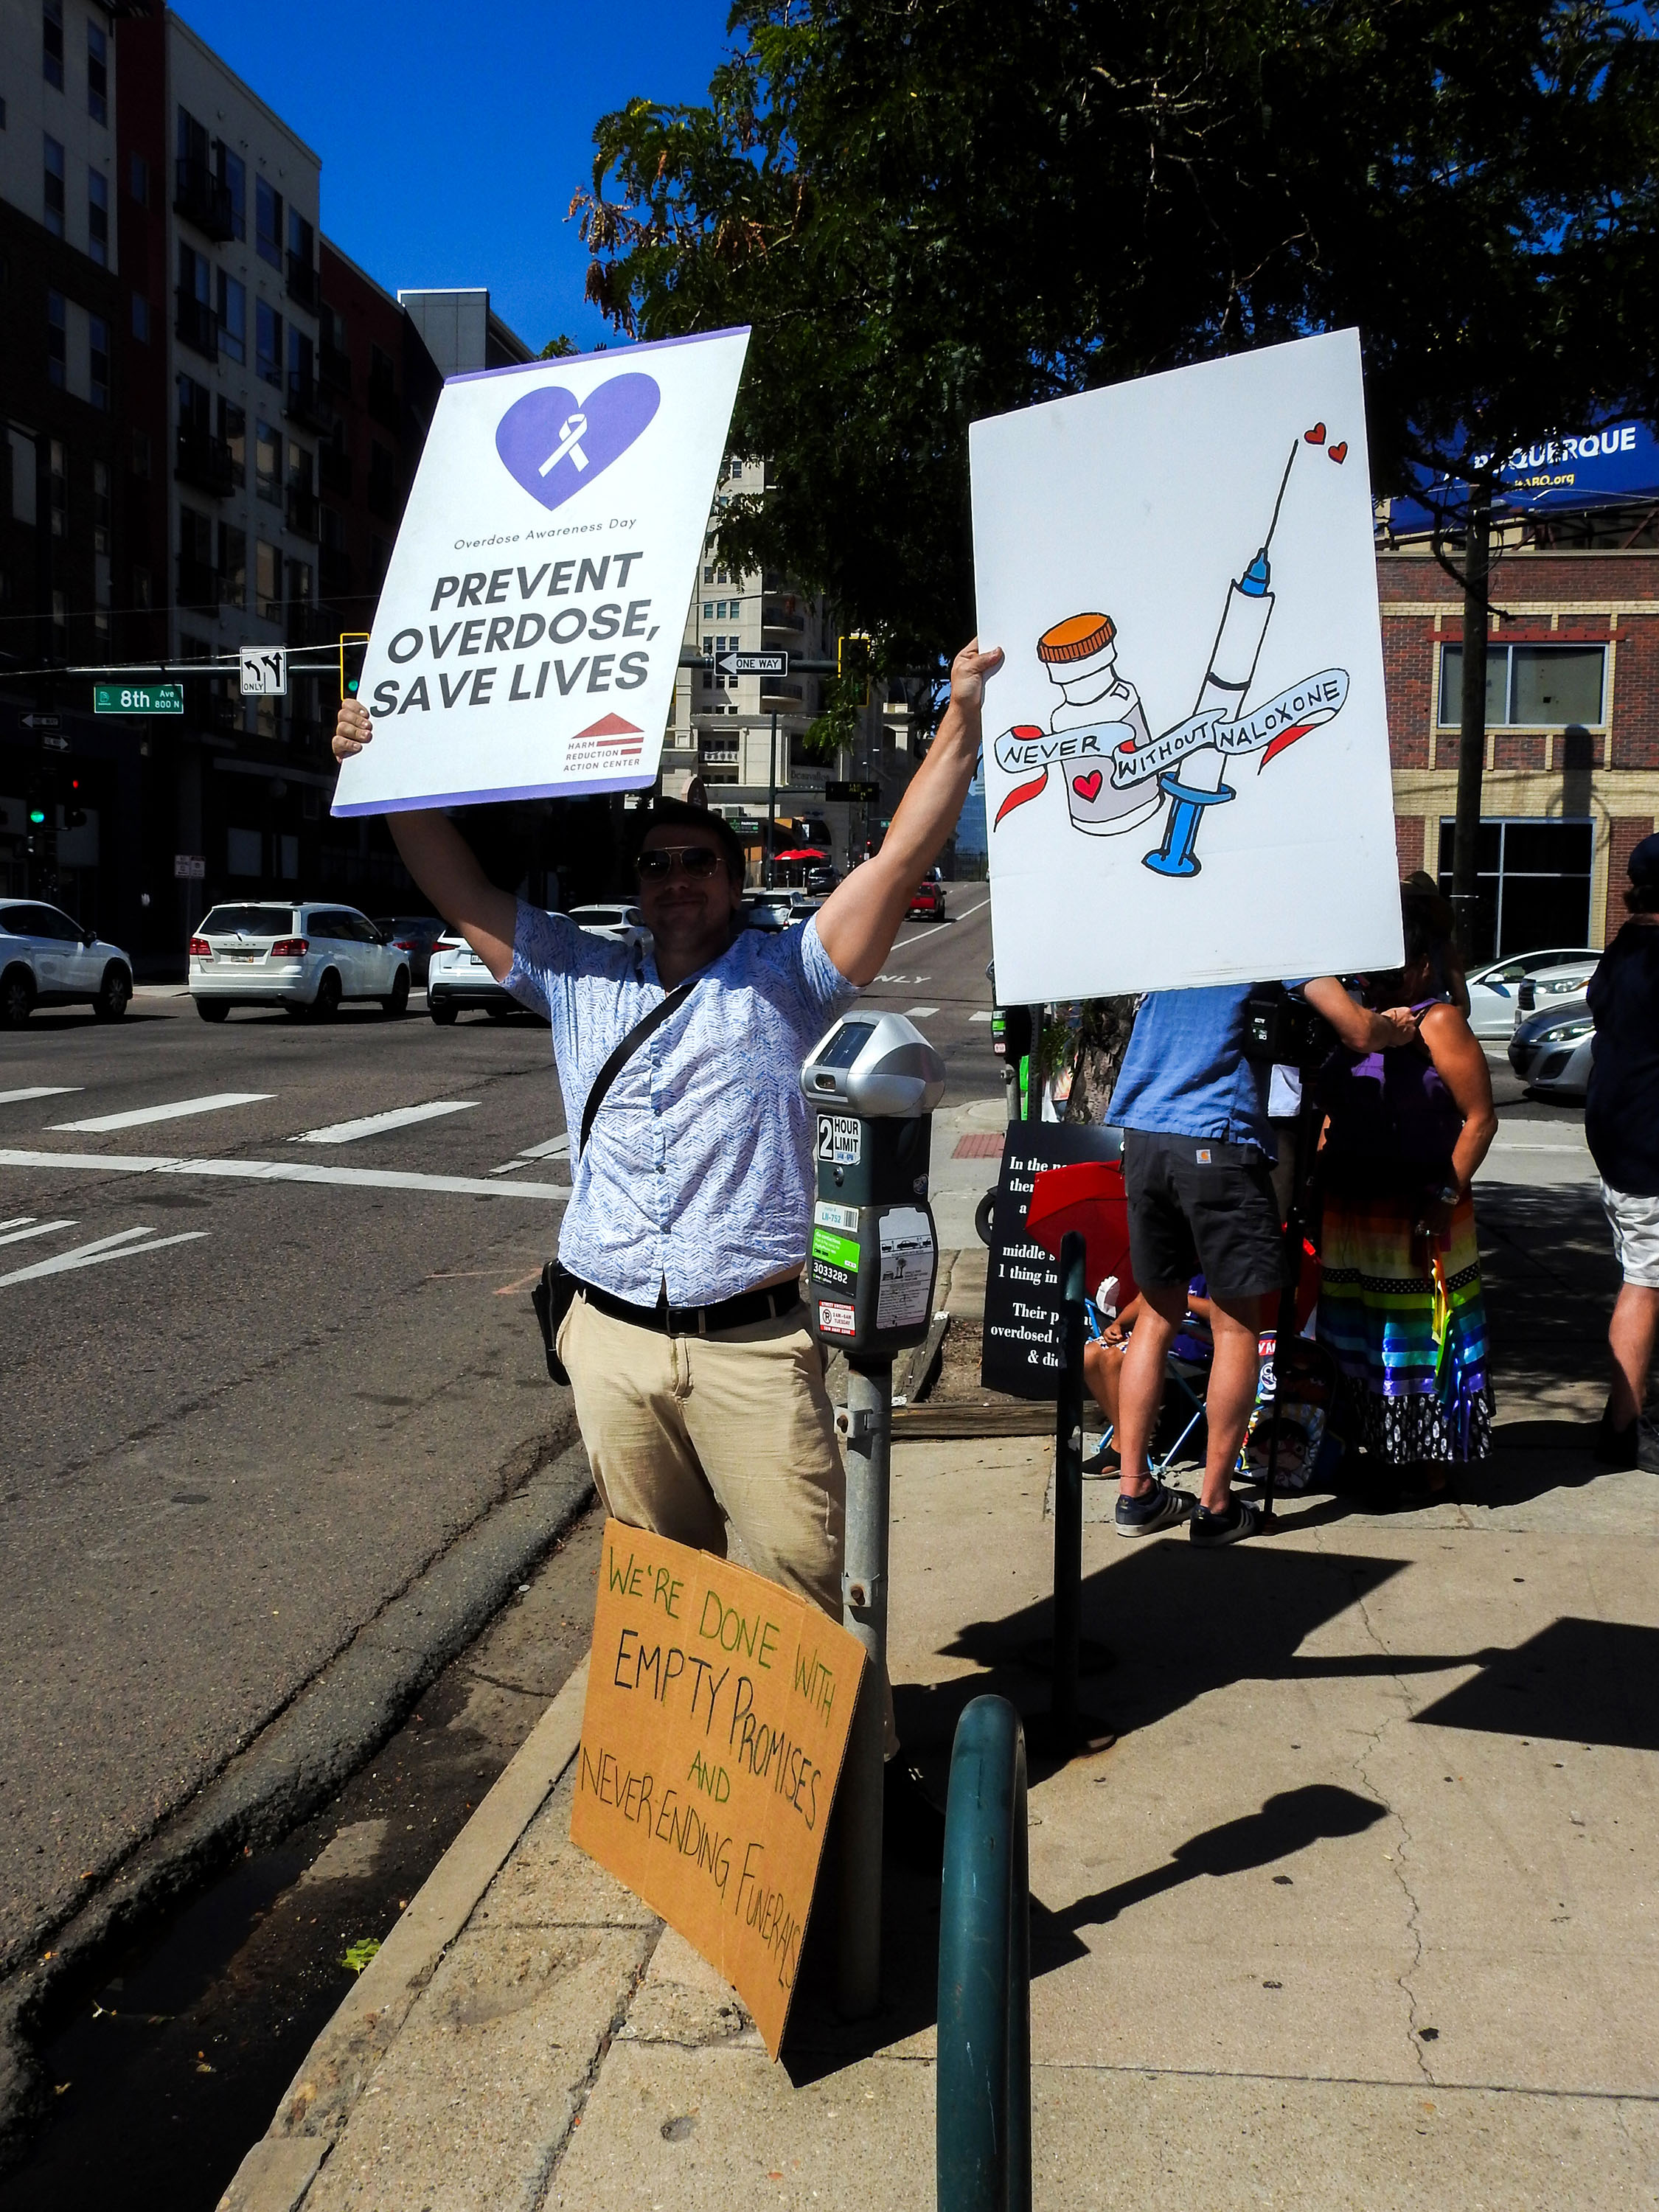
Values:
[(268, 464), (52, 41), (302, 367), (56, 340), (195, 403), (233, 566), (1531, 687), (98, 216), (60, 621), (233, 317), (57, 486), (268, 347), (138, 179), (97, 74), (141, 587), (268, 222), (53, 181), (98, 347), (233, 435), (141, 318), (382, 481), (141, 452), (268, 582), (101, 507), (1532, 884), (233, 174), (708, 607)]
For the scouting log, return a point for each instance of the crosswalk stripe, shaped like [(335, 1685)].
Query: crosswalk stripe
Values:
[(16, 1234), (919, 1013), (174, 1110), (123, 1245), (378, 1125), (38, 1091), (285, 1171), (983, 1015), (556, 1148)]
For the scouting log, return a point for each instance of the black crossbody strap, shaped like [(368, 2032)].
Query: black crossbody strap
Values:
[(625, 1051)]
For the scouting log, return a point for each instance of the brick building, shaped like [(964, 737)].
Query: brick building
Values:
[(1573, 746)]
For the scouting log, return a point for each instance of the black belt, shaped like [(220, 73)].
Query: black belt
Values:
[(698, 1320)]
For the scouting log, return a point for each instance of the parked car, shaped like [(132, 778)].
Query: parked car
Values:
[(928, 900), (767, 910), (821, 879), (415, 934), (1550, 1049), (305, 958), (1568, 980), (46, 959), (458, 979), (623, 924), (1495, 991)]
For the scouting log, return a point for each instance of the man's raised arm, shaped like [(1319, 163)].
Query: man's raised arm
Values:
[(442, 861), (859, 922)]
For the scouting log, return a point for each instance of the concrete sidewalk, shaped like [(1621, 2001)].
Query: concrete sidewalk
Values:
[(1358, 1910)]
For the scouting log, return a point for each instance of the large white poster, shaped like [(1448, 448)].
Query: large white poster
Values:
[(1186, 751), (529, 624)]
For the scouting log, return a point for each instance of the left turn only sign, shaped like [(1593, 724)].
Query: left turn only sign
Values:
[(264, 671)]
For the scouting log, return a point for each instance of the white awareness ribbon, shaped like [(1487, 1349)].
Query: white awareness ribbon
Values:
[(573, 428)]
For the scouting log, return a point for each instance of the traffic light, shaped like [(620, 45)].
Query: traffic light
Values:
[(354, 648), (852, 658), (37, 816), (75, 815)]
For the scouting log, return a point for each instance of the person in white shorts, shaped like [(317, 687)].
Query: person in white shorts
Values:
[(1621, 1123)]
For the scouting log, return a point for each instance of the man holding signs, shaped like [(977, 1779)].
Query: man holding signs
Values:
[(698, 1389)]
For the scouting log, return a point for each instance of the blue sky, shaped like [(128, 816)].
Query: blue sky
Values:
[(452, 138)]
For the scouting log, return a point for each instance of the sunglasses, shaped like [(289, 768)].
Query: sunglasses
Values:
[(698, 862)]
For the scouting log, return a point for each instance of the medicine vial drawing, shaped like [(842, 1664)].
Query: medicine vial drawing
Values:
[(1186, 757), (1117, 775)]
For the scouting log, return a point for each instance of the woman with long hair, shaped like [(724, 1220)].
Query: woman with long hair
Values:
[(1400, 1305)]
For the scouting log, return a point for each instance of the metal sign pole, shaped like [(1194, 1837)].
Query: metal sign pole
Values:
[(864, 1614), (772, 809)]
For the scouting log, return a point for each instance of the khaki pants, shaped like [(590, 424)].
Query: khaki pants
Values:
[(685, 1434)]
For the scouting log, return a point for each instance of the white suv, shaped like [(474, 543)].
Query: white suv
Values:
[(47, 960), (304, 958)]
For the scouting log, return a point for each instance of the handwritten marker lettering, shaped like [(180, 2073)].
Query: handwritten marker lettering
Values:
[(570, 431)]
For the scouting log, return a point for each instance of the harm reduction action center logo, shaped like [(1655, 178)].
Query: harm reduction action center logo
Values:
[(552, 444)]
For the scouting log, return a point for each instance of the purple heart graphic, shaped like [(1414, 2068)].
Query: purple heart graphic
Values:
[(553, 444)]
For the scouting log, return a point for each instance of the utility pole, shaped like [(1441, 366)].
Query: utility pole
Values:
[(772, 810), (1472, 732)]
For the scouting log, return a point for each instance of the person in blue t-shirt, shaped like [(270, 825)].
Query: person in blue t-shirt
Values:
[(1197, 1154)]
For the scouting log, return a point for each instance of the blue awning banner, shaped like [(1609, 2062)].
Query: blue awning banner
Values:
[(1616, 464)]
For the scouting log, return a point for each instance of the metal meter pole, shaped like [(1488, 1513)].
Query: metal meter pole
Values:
[(864, 1614)]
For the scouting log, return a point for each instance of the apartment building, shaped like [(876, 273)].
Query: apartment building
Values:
[(722, 730), (62, 465), (1572, 775)]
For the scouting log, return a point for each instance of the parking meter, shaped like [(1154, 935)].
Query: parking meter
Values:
[(873, 1081)]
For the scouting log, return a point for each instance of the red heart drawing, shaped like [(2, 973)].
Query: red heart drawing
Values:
[(1340, 454), (1316, 435), (1088, 787)]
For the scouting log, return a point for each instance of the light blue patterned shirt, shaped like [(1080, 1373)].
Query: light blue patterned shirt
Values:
[(699, 1173)]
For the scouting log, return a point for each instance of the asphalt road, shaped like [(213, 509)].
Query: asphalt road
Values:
[(245, 1410)]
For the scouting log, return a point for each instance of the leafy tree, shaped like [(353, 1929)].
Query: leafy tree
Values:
[(935, 209)]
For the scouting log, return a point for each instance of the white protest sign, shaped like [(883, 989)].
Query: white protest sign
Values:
[(530, 623), (1187, 751)]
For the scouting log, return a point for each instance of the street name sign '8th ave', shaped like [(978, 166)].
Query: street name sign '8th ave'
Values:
[(137, 698)]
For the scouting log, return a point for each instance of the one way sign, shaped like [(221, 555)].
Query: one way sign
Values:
[(754, 664)]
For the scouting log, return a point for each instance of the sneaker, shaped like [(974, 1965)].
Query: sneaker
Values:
[(1240, 1520), (1155, 1509)]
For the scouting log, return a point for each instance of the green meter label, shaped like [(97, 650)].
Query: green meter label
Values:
[(836, 1251)]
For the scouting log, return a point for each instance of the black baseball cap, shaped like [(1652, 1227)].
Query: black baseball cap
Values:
[(1643, 862)]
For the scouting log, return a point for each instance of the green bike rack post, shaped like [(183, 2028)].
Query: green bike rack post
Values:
[(983, 2155)]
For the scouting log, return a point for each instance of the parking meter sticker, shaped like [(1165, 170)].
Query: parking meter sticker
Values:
[(716, 1721), (841, 1139), (907, 1267), (826, 1216), (836, 1251), (835, 1320)]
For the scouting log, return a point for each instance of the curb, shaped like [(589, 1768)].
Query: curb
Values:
[(279, 2170), (304, 1754)]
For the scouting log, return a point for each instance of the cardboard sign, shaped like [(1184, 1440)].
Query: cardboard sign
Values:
[(1020, 1347), (718, 1708), (529, 626), (1187, 750)]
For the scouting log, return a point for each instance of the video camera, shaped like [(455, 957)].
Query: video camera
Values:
[(1282, 1031)]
